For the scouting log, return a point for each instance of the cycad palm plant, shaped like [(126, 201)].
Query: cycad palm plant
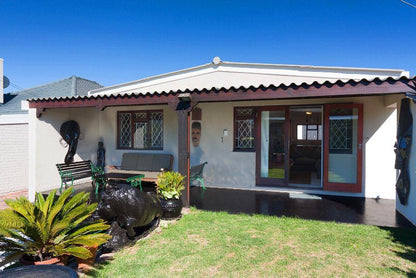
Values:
[(50, 227)]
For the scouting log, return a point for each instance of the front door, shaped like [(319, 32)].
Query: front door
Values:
[(271, 156), (343, 142)]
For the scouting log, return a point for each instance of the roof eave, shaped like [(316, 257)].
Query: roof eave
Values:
[(315, 90)]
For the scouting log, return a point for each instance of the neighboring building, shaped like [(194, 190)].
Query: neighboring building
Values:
[(320, 130), (14, 139)]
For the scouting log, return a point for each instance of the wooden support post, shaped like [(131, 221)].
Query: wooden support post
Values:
[(183, 110), (183, 153)]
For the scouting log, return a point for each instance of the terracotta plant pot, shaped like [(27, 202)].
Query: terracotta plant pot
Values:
[(171, 208), (87, 263), (25, 260)]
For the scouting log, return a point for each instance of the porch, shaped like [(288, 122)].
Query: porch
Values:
[(266, 201), (355, 210)]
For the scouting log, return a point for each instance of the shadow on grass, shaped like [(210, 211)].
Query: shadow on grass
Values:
[(411, 273), (406, 237), (94, 272)]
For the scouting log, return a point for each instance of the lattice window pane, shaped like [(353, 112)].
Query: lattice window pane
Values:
[(156, 129), (245, 134), (244, 112), (340, 130), (140, 115), (124, 130), (140, 136)]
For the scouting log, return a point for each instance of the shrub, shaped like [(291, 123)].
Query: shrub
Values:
[(50, 227), (170, 185)]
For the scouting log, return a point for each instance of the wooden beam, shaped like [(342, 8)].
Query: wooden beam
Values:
[(102, 103), (183, 154), (39, 111)]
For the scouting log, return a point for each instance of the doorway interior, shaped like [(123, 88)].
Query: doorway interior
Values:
[(305, 150)]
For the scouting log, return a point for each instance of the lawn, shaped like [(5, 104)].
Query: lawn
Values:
[(209, 244)]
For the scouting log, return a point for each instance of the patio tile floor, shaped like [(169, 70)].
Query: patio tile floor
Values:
[(306, 206)]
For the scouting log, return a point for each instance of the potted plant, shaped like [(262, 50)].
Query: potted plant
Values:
[(49, 229), (169, 188)]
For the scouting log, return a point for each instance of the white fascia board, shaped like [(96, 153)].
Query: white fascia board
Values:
[(378, 71), (14, 119), (316, 72)]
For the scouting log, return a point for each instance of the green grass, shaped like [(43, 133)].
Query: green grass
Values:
[(207, 244)]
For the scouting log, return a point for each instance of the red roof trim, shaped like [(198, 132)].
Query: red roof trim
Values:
[(314, 90)]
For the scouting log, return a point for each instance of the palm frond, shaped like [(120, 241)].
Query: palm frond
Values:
[(90, 228), (78, 251), (56, 208), (9, 219), (23, 207), (80, 198), (89, 240)]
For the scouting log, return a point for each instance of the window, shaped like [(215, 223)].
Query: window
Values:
[(309, 132), (140, 129), (244, 129), (340, 130)]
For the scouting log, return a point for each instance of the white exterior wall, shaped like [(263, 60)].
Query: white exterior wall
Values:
[(226, 168), (94, 125), (50, 151), (14, 154), (409, 211)]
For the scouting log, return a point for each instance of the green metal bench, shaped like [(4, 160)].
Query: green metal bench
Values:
[(80, 170)]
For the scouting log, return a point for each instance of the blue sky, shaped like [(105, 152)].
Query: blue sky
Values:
[(119, 41)]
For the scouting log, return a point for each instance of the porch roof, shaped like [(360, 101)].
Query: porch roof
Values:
[(363, 87)]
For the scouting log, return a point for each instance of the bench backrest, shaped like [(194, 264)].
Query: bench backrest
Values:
[(78, 170), (146, 162)]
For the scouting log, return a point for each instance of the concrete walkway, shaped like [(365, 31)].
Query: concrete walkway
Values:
[(11, 195)]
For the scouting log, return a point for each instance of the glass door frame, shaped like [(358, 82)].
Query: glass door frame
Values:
[(344, 187), (260, 181)]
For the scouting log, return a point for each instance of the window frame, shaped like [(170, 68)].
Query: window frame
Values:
[(132, 128), (235, 119)]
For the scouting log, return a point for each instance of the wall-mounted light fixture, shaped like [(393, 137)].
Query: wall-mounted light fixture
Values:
[(186, 97), (308, 113)]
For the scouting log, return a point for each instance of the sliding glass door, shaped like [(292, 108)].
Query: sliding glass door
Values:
[(343, 147), (272, 161)]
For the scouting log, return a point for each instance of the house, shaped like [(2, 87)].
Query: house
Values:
[(14, 139), (320, 130)]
